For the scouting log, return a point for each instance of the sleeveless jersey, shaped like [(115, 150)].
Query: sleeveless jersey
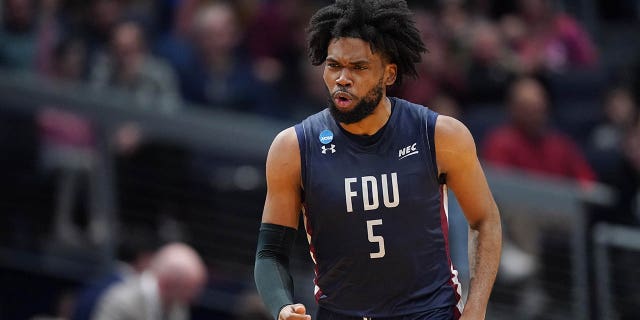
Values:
[(375, 216)]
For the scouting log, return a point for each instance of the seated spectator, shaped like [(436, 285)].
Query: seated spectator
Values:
[(221, 75), (18, 36), (619, 115), (175, 21), (492, 65), (457, 25), (527, 142), (164, 291), (628, 178), (129, 67), (275, 37), (551, 41), (98, 19), (50, 34), (68, 146), (277, 30), (612, 157), (134, 256), (69, 60), (437, 72)]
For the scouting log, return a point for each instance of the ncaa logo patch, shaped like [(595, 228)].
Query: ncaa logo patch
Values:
[(326, 136)]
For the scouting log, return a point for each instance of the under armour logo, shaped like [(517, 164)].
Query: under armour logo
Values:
[(325, 149)]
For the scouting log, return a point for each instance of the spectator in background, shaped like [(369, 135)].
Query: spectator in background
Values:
[(49, 35), (97, 26), (129, 67), (68, 149), (221, 75), (275, 37), (632, 154), (619, 116), (175, 21), (457, 25), (437, 72), (627, 212), (551, 41), (18, 36), (277, 31), (612, 155), (492, 65), (527, 142), (69, 58), (164, 291), (134, 256)]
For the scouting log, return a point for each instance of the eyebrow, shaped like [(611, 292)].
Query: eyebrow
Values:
[(352, 63)]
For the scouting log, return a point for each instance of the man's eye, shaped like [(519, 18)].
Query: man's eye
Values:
[(360, 67), (333, 65)]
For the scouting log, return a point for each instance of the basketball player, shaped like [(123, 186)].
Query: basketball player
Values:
[(370, 174)]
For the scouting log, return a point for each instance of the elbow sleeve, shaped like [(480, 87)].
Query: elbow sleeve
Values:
[(271, 271)]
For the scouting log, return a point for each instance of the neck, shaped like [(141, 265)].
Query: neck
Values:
[(373, 122)]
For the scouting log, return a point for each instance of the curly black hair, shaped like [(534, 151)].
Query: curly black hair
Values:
[(387, 25)]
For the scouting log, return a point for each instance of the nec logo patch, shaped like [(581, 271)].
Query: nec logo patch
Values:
[(407, 151)]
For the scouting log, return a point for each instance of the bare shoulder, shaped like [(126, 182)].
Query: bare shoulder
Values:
[(451, 130), (284, 155), (453, 142), (283, 201), (286, 140)]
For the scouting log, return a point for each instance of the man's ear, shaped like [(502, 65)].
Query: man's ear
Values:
[(390, 74)]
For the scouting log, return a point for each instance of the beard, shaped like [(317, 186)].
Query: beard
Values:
[(361, 110)]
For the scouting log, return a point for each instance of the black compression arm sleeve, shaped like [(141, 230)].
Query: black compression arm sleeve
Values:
[(271, 272)]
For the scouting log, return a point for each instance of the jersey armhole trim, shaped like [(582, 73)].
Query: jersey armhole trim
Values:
[(432, 117), (302, 143)]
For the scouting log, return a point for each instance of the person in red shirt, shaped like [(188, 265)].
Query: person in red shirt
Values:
[(528, 142), (550, 41)]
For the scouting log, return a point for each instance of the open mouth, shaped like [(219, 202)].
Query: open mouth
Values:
[(342, 99)]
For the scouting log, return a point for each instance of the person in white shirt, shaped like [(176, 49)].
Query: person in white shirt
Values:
[(164, 291)]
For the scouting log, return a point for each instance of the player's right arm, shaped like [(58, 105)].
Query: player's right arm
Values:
[(278, 229), (284, 182)]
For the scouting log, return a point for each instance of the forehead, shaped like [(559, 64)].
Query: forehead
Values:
[(351, 49)]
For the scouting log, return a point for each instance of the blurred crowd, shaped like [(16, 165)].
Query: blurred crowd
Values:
[(538, 88), (249, 56)]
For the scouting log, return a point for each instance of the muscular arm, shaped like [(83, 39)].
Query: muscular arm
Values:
[(279, 224), (283, 202), (456, 157)]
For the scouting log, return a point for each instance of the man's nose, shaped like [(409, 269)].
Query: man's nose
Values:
[(344, 78)]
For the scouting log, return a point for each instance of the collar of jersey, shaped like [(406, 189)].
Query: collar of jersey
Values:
[(367, 143)]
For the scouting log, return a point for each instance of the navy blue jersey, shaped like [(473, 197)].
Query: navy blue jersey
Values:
[(375, 215)]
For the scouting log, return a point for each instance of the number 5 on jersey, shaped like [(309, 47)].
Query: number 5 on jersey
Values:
[(373, 239)]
